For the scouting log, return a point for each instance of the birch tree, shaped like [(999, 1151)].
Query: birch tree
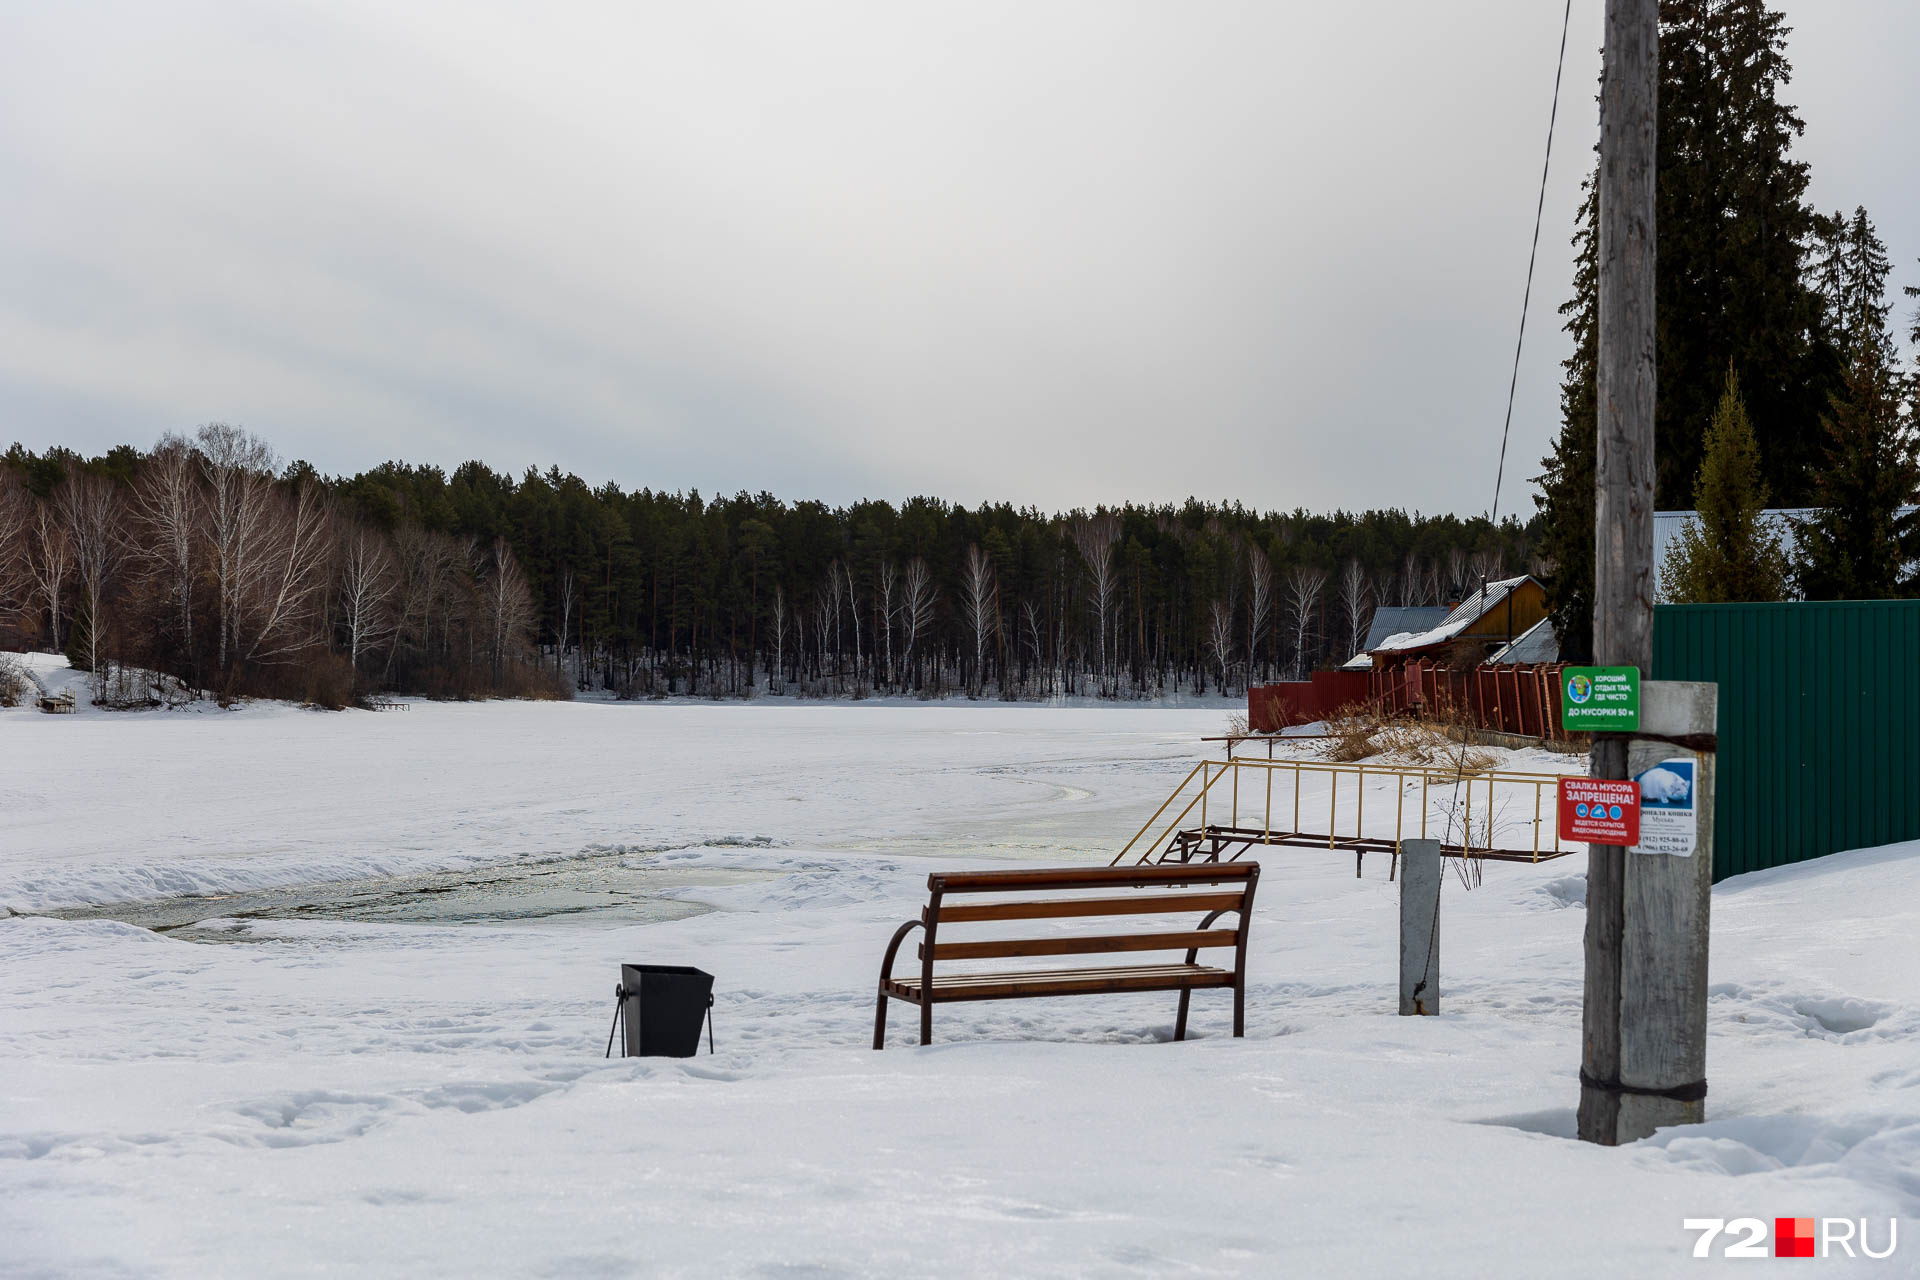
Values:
[(1356, 604), (166, 519), (1259, 602), (50, 564), (569, 592), (916, 607), (1035, 640), (1305, 583), (979, 605), (283, 579), (1433, 592), (1220, 642), (827, 622), (1094, 538), (16, 578), (89, 509), (367, 585), (237, 467), (427, 563), (777, 674), (1457, 571), (886, 585), (508, 605), (853, 608)]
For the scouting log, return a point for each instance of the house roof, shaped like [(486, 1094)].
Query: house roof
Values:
[(1537, 644), (1395, 620), (1469, 611), (1403, 620), (1668, 525)]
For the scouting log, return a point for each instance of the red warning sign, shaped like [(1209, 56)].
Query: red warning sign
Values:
[(1595, 811)]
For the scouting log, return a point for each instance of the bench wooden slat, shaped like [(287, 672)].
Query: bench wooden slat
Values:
[(1091, 877), (1067, 982), (1052, 908), (1016, 977), (1073, 945), (1223, 888)]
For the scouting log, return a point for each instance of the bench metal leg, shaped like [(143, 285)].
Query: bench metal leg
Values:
[(1180, 1023), (1240, 1007), (880, 1023), (926, 1022)]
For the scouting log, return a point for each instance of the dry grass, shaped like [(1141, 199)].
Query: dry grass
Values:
[(1350, 735), (1358, 733)]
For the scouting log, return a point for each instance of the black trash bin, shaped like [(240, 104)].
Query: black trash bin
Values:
[(663, 1006)]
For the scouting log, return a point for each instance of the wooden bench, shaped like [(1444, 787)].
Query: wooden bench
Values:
[(1209, 890)]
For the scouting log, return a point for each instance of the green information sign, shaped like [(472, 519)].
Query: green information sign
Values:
[(1600, 699)]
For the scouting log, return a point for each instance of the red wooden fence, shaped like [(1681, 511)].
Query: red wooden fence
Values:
[(1273, 707), (1508, 699)]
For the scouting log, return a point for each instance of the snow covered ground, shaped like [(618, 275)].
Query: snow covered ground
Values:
[(365, 1096)]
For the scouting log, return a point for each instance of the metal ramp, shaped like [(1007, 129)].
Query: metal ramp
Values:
[(1495, 815)]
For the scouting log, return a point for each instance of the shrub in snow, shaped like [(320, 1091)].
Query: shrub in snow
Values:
[(13, 680)]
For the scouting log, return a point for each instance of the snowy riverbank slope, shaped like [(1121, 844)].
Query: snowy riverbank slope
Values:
[(421, 1099)]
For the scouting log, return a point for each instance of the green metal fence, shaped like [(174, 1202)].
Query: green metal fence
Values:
[(1819, 723)]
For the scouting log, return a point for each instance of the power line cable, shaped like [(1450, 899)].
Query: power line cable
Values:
[(1533, 255)]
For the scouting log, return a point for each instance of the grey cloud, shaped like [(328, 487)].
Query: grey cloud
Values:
[(1055, 253)]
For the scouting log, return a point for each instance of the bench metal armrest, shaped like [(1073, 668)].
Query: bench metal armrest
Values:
[(1193, 953), (893, 947)]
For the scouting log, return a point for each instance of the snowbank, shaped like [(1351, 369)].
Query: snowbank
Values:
[(394, 1099)]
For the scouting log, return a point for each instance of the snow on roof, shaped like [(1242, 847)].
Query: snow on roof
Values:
[(1400, 620), (1394, 620), (1464, 615), (1537, 644)]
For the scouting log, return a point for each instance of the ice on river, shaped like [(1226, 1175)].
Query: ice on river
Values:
[(360, 1093)]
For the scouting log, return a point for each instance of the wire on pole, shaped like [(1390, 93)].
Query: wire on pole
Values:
[(1533, 255)]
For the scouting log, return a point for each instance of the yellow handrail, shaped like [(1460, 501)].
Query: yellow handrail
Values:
[(1459, 782)]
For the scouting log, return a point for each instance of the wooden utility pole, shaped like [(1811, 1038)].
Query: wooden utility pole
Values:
[(1623, 528), (1644, 1061)]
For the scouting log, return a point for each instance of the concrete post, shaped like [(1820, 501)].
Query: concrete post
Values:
[(1420, 872)]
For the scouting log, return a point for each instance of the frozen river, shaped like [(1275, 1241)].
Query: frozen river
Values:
[(400, 1073)]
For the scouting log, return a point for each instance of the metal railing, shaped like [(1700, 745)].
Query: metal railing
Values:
[(1502, 815)]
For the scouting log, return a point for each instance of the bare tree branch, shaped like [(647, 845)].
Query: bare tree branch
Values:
[(980, 605), (1305, 583)]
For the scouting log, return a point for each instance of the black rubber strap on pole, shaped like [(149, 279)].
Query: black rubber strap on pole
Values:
[(1705, 743), (1691, 1092)]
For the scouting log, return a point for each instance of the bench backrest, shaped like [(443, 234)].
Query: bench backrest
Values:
[(1210, 890)]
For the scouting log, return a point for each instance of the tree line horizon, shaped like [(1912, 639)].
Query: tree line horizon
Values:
[(409, 579), (1779, 383)]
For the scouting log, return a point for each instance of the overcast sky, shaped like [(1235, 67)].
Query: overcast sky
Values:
[(1043, 252)]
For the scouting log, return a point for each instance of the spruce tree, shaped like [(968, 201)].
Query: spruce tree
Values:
[(1858, 545), (1728, 553), (1731, 289), (1733, 227), (1913, 339), (1850, 271), (1566, 498)]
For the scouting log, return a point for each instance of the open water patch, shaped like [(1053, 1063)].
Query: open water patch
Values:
[(604, 886)]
